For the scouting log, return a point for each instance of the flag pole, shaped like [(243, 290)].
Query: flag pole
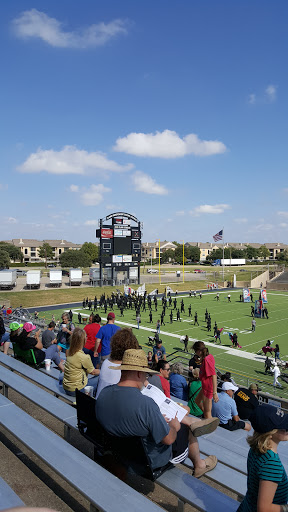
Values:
[(223, 255), (159, 264), (183, 261)]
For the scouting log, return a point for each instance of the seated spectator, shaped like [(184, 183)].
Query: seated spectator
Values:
[(225, 409), (49, 342), (195, 386), (194, 363), (267, 479), (159, 352), (122, 340), (246, 401), (65, 331), (26, 341), (150, 359), (78, 366), (91, 331), (124, 411), (14, 331), (4, 336), (161, 378), (178, 383)]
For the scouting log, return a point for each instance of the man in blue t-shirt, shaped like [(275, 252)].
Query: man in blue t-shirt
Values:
[(104, 336), (226, 410)]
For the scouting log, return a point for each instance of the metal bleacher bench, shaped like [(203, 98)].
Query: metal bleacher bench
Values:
[(103, 491), (49, 403), (8, 498), (34, 375)]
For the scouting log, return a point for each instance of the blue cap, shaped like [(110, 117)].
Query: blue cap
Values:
[(267, 417)]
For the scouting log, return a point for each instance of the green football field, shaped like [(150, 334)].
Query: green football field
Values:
[(244, 363)]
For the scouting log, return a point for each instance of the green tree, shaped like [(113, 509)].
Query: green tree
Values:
[(263, 252), (4, 259), (167, 255), (252, 253), (178, 254), (192, 253), (46, 252), (75, 259), (91, 250), (14, 252), (282, 256)]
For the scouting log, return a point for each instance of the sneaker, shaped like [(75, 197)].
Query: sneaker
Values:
[(206, 426)]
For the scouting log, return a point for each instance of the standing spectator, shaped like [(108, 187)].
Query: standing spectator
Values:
[(70, 315), (4, 336), (159, 351), (92, 329), (246, 401), (194, 389), (267, 364), (277, 352), (267, 488), (138, 320), (79, 318), (277, 373), (158, 326), (104, 336), (208, 379), (253, 325), (178, 383), (185, 341), (217, 337)]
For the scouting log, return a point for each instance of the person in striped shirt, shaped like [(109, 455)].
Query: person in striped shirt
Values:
[(267, 479)]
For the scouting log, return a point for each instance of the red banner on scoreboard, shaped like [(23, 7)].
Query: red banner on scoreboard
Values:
[(106, 233)]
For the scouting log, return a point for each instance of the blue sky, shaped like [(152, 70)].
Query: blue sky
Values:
[(175, 112)]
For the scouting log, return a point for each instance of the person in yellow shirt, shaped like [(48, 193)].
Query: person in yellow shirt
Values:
[(78, 366)]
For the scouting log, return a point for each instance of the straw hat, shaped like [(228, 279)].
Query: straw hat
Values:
[(134, 359)]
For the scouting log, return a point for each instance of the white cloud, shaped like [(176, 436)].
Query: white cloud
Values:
[(36, 24), (252, 99), (167, 144), (144, 183), (10, 220), (209, 208), (91, 223), (282, 214), (283, 224), (74, 188), (70, 160), (270, 93), (94, 195), (263, 227), (180, 213), (242, 220)]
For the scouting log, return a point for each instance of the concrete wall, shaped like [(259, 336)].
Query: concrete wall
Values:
[(277, 286), (262, 278)]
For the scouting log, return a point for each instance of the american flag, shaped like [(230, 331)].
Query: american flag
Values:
[(218, 236)]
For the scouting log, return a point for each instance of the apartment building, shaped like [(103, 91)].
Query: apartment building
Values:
[(151, 249), (30, 247)]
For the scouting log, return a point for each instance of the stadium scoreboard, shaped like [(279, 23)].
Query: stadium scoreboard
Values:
[(120, 246)]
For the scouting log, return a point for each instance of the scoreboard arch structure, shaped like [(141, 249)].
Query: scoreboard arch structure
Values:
[(120, 235)]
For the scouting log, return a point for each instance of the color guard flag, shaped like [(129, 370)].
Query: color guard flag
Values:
[(218, 236)]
